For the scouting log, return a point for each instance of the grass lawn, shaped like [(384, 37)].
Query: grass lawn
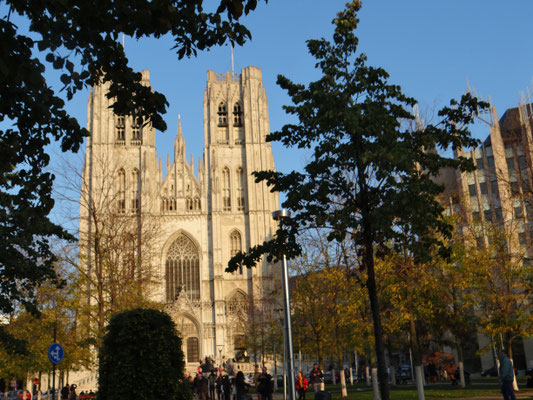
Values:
[(479, 389)]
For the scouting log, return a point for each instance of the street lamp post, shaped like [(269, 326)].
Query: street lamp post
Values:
[(278, 216), (220, 347)]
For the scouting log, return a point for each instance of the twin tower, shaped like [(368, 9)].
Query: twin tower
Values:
[(187, 222)]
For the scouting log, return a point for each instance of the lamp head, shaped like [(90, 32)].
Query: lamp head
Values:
[(280, 214)]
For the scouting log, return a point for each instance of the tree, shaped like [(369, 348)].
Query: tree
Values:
[(456, 299), (323, 294), (58, 311), (369, 177), (80, 39), (113, 257), (141, 358), (503, 286)]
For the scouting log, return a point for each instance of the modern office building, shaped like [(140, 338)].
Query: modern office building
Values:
[(498, 193)]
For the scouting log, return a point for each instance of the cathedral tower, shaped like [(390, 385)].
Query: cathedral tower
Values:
[(198, 219)]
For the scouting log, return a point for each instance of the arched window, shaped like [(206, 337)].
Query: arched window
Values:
[(222, 114), (121, 190), (193, 352), (236, 245), (238, 304), (135, 190), (119, 127), (136, 128), (237, 114), (226, 190), (182, 269), (240, 189)]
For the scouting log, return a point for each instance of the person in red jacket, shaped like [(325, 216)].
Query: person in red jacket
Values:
[(26, 393), (301, 385)]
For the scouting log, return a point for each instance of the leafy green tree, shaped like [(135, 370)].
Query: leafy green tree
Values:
[(369, 176), (321, 298), (141, 358), (79, 38), (58, 310), (456, 299), (503, 286)]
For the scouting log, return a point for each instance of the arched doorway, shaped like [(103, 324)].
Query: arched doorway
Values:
[(190, 335)]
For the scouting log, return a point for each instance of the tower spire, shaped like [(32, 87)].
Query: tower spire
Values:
[(232, 68)]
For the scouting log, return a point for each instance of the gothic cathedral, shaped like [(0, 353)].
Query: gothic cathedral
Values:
[(188, 223)]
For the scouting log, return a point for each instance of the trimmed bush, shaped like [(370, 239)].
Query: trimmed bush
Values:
[(141, 358)]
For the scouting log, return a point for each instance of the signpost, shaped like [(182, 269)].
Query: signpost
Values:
[(55, 354)]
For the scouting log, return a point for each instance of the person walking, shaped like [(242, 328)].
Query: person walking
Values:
[(226, 387), (72, 395), (301, 385), (264, 387), (212, 384), (202, 387), (315, 378), (506, 376), (241, 386), (219, 386), (65, 392)]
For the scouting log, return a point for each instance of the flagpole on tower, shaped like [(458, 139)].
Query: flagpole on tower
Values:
[(232, 68)]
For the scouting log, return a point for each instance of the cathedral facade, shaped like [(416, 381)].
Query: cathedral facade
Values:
[(198, 217)]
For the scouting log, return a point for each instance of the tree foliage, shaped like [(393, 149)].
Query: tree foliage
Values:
[(141, 358), (370, 177), (58, 310), (78, 38)]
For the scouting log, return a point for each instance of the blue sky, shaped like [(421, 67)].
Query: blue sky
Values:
[(428, 47)]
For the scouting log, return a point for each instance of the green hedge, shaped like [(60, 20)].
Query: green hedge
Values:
[(141, 358)]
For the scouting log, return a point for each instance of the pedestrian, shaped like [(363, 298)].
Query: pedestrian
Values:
[(226, 387), (219, 386), (65, 392), (241, 386), (195, 382), (315, 378), (212, 378), (506, 376), (264, 387), (72, 395), (202, 387), (25, 395), (301, 385)]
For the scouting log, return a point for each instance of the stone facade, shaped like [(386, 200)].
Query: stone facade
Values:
[(499, 191), (200, 219)]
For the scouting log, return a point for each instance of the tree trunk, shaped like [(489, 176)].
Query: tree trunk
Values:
[(419, 370), (462, 381), (376, 319), (510, 350), (375, 386), (356, 366), (344, 390), (392, 370), (368, 379), (419, 375)]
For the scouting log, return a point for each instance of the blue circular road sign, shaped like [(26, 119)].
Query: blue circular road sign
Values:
[(56, 353)]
